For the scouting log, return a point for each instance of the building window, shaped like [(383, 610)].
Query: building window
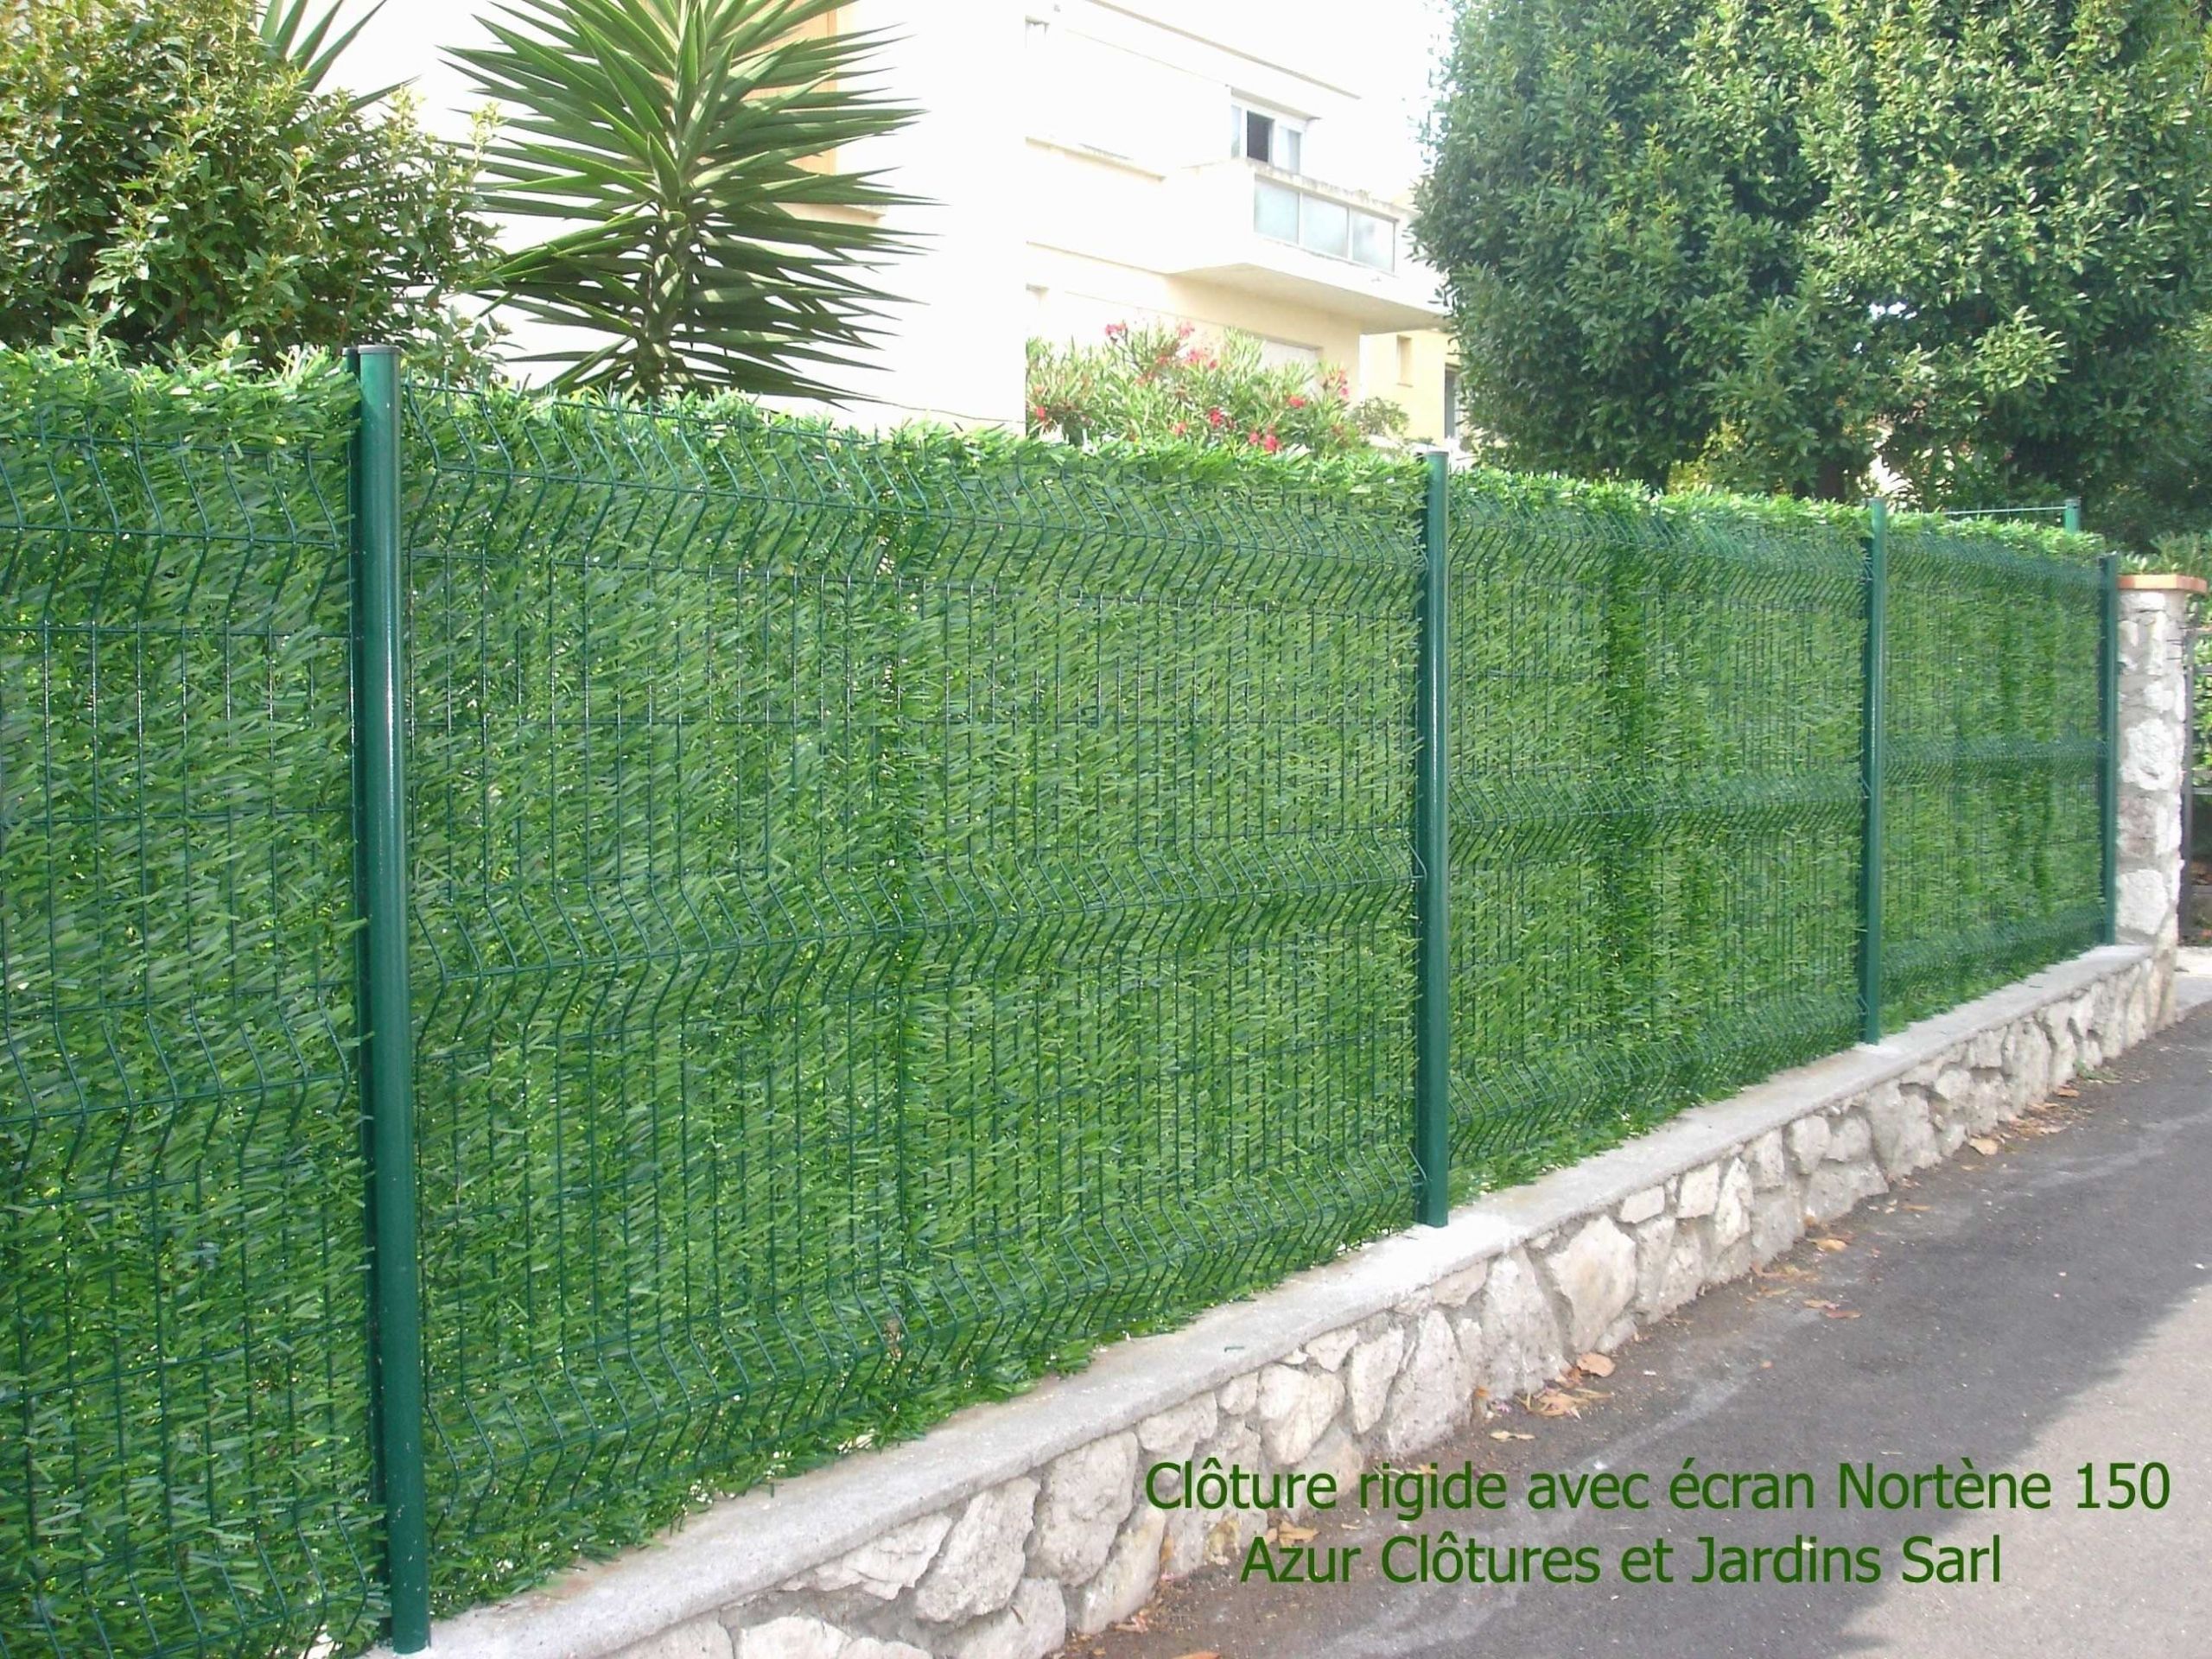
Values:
[(1287, 353), (1405, 360), (1287, 214), (1259, 135), (1451, 405)]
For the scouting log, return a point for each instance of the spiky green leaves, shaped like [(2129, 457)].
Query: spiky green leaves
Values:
[(686, 150)]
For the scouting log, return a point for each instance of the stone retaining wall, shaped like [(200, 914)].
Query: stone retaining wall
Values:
[(1012, 1528)]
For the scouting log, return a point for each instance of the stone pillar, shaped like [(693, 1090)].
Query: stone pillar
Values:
[(2154, 759)]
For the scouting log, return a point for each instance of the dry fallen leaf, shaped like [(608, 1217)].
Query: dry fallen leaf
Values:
[(2066, 1091), (1814, 1302), (1203, 1653), (1830, 1244), (1509, 1434), (1552, 1403), (1596, 1365), (1923, 1208), (1840, 1313), (1290, 1534), (1984, 1145)]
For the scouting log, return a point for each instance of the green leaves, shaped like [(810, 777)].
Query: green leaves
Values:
[(170, 182), (1758, 247), (688, 148)]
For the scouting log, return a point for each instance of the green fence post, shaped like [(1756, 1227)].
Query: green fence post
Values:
[(2072, 516), (386, 1016), (2108, 730), (1873, 763), (1432, 857)]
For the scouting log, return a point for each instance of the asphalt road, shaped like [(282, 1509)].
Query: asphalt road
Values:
[(2041, 1308)]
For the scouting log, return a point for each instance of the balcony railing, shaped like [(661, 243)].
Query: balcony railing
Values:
[(1319, 224)]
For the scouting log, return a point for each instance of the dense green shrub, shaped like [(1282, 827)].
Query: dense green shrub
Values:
[(1775, 241), (167, 181)]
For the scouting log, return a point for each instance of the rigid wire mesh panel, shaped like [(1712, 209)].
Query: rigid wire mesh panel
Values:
[(1656, 808), (890, 915), (183, 1382), (1993, 861)]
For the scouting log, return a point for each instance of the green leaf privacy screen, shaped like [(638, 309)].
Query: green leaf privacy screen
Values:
[(183, 1403), (886, 915), (1655, 808), (1993, 859), (886, 920)]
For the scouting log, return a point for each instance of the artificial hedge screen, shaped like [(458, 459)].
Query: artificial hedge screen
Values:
[(888, 915)]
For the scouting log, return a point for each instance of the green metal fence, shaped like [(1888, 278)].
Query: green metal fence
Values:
[(556, 960), (1655, 807)]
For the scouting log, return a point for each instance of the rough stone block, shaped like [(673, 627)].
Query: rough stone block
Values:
[(1834, 1189), (1903, 1132), (1374, 1364), (1125, 1582), (1175, 1431), (1524, 1343), (1294, 1406), (1767, 1161), (1433, 1393), (1596, 1273), (1456, 1289), (1086, 1495), (792, 1637), (1777, 1221), (1328, 1352), (1640, 1207), (884, 1567), (981, 1561), (1732, 1208), (1809, 1140), (1034, 1624), (1701, 1190), (1336, 1453), (1849, 1140), (1237, 1395)]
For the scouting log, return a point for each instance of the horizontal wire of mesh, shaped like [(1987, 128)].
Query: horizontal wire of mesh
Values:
[(182, 1373), (886, 921), (1993, 861), (1655, 807)]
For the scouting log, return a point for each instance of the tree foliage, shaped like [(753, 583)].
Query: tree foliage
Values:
[(680, 142), (1769, 242), (1154, 382), (169, 178)]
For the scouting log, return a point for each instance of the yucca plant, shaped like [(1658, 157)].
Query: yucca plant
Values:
[(685, 145)]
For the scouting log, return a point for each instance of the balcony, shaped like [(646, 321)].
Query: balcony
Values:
[(1258, 228)]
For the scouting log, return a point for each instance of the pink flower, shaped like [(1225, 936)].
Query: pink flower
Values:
[(1184, 330), (1115, 330), (1270, 442), (1217, 416), (1181, 427), (1038, 412), (1297, 402)]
